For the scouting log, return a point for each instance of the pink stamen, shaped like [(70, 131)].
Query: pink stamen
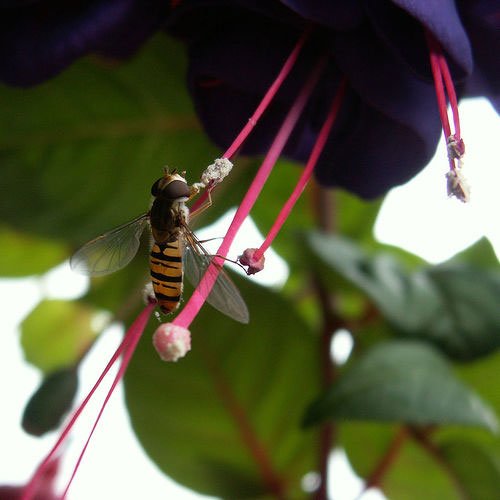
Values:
[(452, 96), (201, 292), (442, 80), (266, 100), (126, 347), (435, 55), (307, 172)]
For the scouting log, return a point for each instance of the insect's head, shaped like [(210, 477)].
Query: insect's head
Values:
[(172, 186)]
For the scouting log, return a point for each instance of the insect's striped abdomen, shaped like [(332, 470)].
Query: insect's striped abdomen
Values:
[(166, 274)]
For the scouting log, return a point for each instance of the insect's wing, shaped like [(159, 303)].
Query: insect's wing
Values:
[(224, 296), (110, 251)]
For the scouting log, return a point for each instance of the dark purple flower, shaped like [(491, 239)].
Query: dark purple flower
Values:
[(40, 38), (389, 125)]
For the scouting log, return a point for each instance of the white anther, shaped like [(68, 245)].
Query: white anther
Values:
[(216, 172), (457, 185)]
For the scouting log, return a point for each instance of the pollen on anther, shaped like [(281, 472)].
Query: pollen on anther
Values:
[(172, 341), (249, 260), (456, 148), (216, 172), (457, 185)]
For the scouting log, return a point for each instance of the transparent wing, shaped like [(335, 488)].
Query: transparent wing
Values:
[(110, 251), (224, 296)]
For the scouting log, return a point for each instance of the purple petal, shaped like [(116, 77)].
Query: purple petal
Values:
[(194, 20), (482, 20), (374, 153), (396, 25), (339, 15), (40, 40), (384, 82)]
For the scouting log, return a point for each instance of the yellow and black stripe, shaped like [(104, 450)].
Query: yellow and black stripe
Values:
[(166, 274)]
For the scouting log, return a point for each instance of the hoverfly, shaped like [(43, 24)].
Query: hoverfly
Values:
[(175, 249)]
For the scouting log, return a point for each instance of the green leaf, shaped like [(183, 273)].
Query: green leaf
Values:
[(476, 468), (481, 254), (24, 254), (50, 402), (454, 307), (240, 384), (483, 376), (79, 153), (466, 320), (415, 474), (406, 301), (412, 474), (356, 217), (56, 334), (400, 381)]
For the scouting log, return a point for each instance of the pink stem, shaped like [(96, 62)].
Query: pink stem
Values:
[(201, 292), (269, 96), (306, 174), (142, 319)]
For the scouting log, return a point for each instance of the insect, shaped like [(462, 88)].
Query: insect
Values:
[(175, 249)]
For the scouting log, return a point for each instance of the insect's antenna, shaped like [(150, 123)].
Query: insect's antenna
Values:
[(167, 171)]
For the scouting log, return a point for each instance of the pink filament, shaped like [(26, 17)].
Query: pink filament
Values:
[(441, 73), (266, 100), (127, 347), (201, 292), (306, 174), (435, 60), (452, 96)]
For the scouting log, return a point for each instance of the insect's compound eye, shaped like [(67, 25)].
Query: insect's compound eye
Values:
[(176, 189), (155, 188)]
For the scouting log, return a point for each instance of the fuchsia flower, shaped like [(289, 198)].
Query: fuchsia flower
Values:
[(236, 47)]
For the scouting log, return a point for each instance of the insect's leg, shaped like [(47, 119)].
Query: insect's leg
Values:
[(227, 259), (206, 204), (210, 239), (194, 189)]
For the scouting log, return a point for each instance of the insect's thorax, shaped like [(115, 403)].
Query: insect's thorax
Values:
[(167, 217)]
